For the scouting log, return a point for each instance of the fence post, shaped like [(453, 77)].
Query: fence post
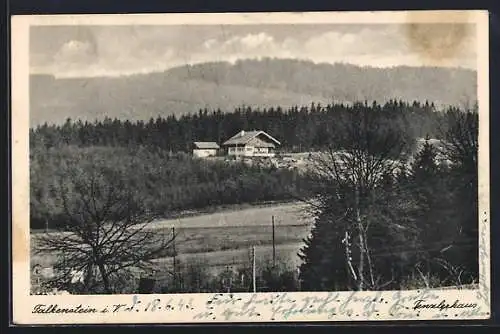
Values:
[(274, 245)]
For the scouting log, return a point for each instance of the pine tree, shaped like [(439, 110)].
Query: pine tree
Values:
[(324, 266), (425, 166), (461, 148), (423, 175), (435, 218)]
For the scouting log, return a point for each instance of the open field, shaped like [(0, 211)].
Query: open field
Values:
[(284, 214), (225, 238), (236, 258)]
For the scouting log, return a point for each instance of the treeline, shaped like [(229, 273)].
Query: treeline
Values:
[(166, 183), (380, 224), (297, 128)]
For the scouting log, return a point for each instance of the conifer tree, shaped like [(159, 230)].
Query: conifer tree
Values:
[(354, 207), (425, 183), (461, 148)]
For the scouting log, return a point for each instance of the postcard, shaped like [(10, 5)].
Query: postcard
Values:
[(250, 167)]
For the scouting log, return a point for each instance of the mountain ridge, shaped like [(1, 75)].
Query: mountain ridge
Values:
[(224, 85)]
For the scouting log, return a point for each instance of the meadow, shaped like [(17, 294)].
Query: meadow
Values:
[(224, 238)]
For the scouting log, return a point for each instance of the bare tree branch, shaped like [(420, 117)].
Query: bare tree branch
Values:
[(107, 228)]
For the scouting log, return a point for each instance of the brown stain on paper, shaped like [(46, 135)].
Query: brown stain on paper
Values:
[(434, 40), (20, 243)]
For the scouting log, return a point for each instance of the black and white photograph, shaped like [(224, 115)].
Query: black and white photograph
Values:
[(228, 154)]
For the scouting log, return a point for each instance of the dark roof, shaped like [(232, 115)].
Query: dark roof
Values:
[(243, 137), (204, 145)]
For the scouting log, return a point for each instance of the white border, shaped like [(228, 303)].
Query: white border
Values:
[(360, 304)]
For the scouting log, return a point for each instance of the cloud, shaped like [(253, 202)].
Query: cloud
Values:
[(122, 51), (367, 47), (253, 44), (257, 41), (74, 51), (208, 44), (331, 43), (102, 55), (75, 47)]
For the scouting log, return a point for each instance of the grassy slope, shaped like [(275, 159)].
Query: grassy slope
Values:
[(226, 236)]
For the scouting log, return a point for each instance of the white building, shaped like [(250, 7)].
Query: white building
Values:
[(251, 144), (205, 149)]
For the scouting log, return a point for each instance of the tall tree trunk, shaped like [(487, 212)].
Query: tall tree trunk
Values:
[(105, 278), (361, 263), (369, 259), (89, 278)]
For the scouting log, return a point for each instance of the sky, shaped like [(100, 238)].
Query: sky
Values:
[(90, 51)]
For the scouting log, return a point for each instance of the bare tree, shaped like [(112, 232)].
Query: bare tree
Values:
[(108, 231), (460, 131), (350, 174)]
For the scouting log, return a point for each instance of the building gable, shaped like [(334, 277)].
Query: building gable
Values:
[(244, 137), (261, 141)]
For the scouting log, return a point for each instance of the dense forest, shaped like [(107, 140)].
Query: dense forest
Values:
[(165, 183), (394, 221), (297, 128)]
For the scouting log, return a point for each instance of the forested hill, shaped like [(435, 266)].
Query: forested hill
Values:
[(298, 129), (258, 83)]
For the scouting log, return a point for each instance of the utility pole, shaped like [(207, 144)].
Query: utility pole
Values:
[(274, 245), (253, 270), (174, 259)]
